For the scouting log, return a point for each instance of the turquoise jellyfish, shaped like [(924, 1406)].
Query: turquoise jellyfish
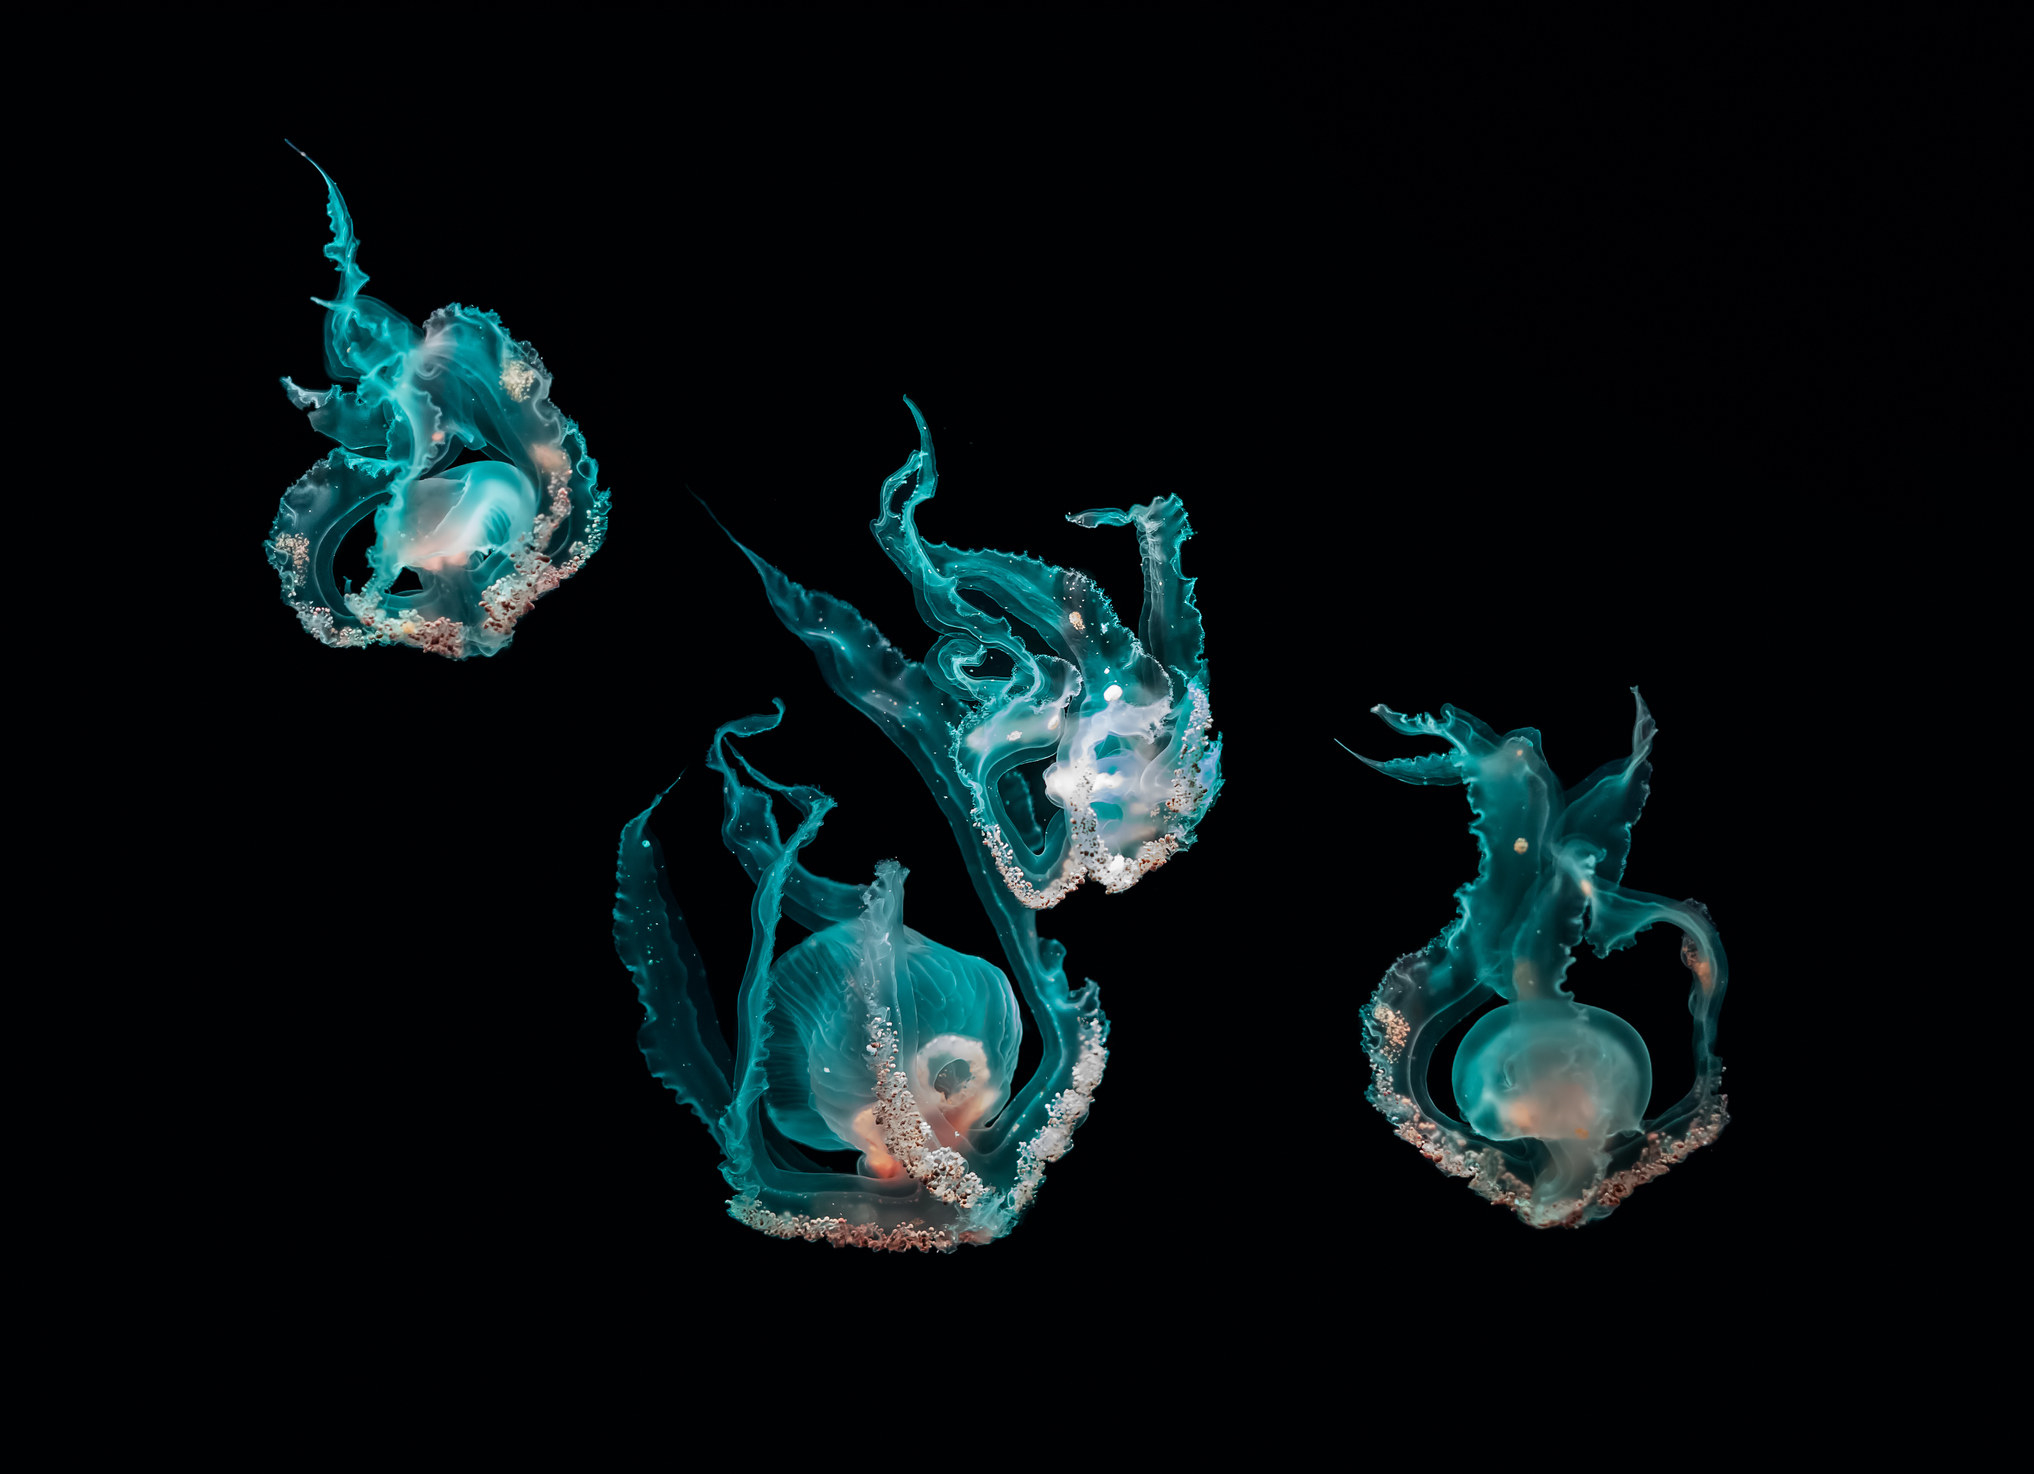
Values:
[(1554, 1091), (868, 1036), (1091, 756), (481, 489)]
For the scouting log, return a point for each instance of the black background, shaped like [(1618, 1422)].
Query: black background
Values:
[(1463, 411)]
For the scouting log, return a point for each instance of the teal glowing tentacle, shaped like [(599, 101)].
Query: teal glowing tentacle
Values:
[(680, 1035)]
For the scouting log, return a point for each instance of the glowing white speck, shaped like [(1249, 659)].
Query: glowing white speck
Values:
[(1114, 693), (1015, 734)]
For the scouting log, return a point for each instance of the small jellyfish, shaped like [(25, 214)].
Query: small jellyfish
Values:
[(481, 490), (1553, 1092)]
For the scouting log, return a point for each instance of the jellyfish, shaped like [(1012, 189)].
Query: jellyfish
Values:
[(1104, 728), (1553, 1091), (866, 1036), (481, 490)]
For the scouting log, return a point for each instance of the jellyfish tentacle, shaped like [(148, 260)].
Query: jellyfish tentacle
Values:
[(1433, 769), (680, 1035)]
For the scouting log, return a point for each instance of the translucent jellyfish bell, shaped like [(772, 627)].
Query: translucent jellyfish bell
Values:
[(483, 540), (1552, 1092), (957, 1023), (1552, 1071)]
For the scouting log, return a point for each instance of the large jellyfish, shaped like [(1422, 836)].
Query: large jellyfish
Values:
[(1554, 1091), (867, 1035), (481, 490)]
